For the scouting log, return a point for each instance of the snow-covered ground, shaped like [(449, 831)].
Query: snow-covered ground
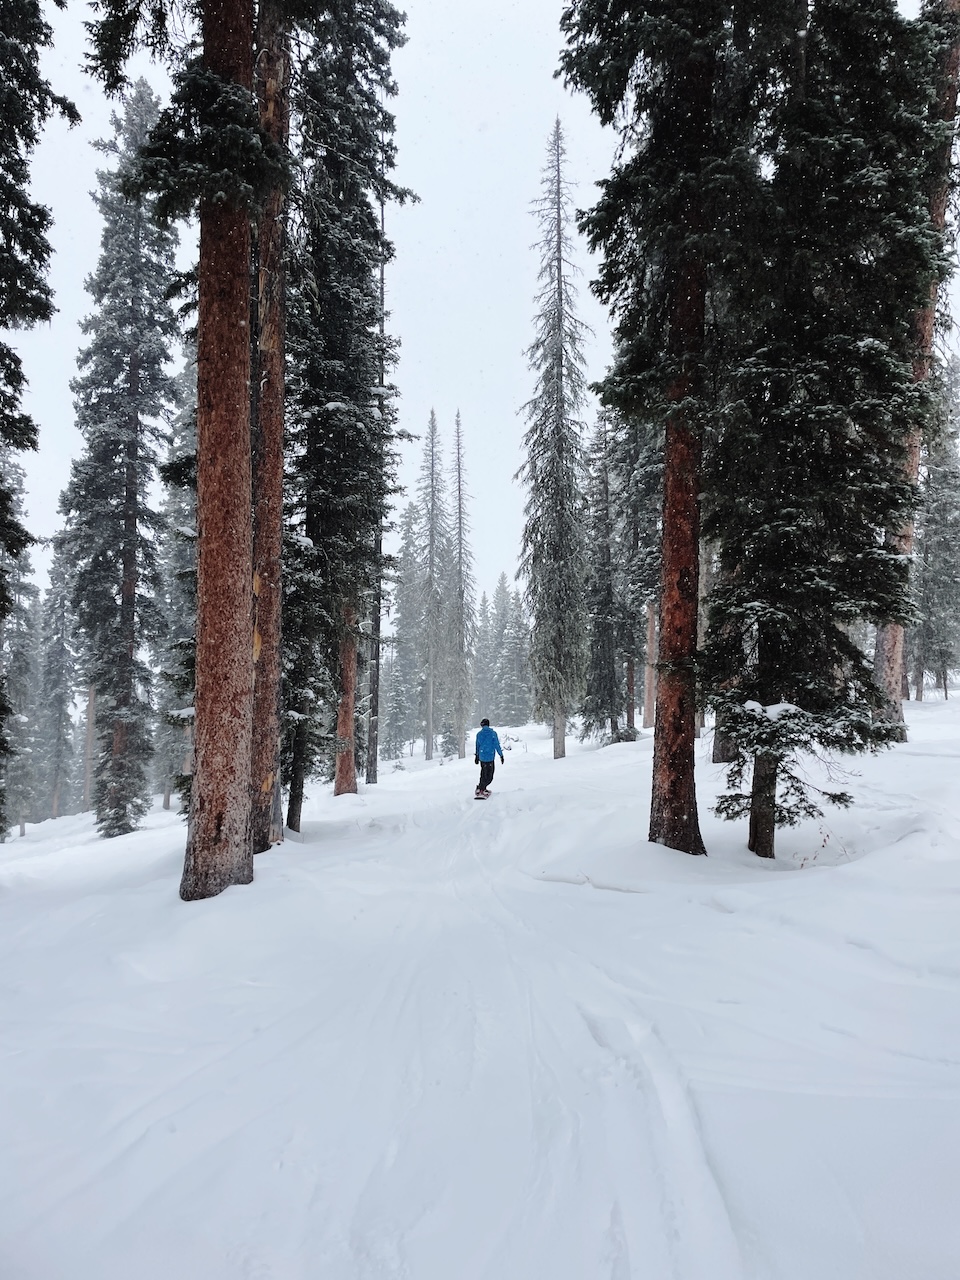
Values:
[(444, 1039)]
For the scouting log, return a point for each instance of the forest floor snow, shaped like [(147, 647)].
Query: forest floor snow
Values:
[(443, 1039)]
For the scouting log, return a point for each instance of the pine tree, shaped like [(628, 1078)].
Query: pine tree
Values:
[(58, 685), (552, 559), (435, 553), (493, 647), (676, 83), (512, 672), (403, 708), (484, 659), (636, 481), (934, 640), (19, 647), (122, 393), (817, 407), (26, 102), (175, 654), (944, 32), (208, 152), (463, 615), (268, 384), (341, 422), (603, 698)]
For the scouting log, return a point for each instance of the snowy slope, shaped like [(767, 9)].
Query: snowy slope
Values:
[(442, 1039)]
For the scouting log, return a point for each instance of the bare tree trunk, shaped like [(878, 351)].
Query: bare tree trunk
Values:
[(944, 676), (763, 800), (298, 774), (218, 841), (345, 777), (167, 791), (272, 74), (889, 652), (89, 748), (373, 727), (559, 733), (631, 694), (650, 669)]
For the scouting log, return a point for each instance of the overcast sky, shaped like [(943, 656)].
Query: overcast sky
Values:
[(477, 99)]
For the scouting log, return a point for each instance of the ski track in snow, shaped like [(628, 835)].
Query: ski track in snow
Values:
[(437, 1040)]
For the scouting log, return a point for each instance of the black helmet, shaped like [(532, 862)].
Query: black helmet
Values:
[(484, 724)]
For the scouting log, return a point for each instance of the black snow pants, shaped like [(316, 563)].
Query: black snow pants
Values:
[(486, 774)]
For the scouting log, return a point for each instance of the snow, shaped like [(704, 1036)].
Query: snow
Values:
[(438, 1040)]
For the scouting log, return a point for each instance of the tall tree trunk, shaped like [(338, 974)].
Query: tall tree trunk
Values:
[(298, 773), (373, 731), (650, 669), (673, 810), (763, 800), (373, 727), (373, 724), (559, 733), (631, 694), (919, 670), (889, 652), (218, 841), (89, 747), (272, 75), (116, 791), (345, 778)]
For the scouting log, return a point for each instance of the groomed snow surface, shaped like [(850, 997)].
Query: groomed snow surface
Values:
[(446, 1039)]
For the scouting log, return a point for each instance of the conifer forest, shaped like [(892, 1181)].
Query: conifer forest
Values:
[(749, 522), (564, 389)]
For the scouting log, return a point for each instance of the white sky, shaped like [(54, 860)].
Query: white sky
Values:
[(476, 103)]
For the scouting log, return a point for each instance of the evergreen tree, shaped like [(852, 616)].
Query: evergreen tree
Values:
[(208, 152), (58, 679), (484, 660), (552, 559), (497, 631), (19, 668), (935, 637), (636, 483), (122, 393), (26, 102), (603, 699), (463, 619), (942, 18), (512, 672), (435, 551), (817, 407), (340, 419), (175, 653), (402, 720), (673, 81)]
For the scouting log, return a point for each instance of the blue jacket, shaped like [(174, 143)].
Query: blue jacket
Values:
[(488, 744)]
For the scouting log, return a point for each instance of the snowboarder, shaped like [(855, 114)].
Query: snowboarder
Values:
[(488, 746)]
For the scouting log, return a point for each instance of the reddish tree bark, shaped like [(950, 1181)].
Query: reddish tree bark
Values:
[(345, 779), (673, 810), (889, 652), (650, 669), (218, 841), (272, 75)]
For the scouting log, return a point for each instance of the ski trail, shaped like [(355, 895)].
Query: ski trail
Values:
[(642, 1092), (702, 1241)]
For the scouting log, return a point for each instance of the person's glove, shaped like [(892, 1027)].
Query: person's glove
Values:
[(502, 761), (476, 759)]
